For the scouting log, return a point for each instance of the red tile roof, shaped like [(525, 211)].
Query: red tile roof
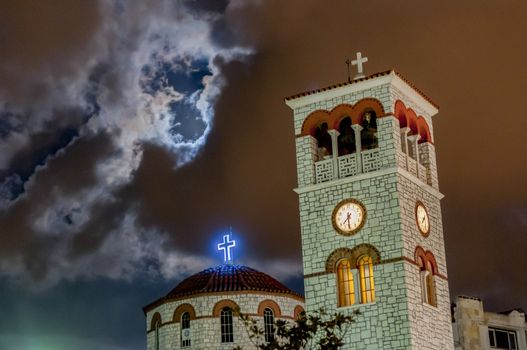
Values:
[(225, 278), (228, 278), (369, 77)]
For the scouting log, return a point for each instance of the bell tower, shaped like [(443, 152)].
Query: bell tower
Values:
[(370, 215)]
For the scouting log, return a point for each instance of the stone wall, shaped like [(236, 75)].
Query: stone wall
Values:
[(205, 327), (398, 318)]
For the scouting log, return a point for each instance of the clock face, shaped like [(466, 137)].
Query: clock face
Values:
[(348, 216), (423, 221)]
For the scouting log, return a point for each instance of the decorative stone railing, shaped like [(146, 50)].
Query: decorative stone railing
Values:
[(347, 165), (370, 160), (324, 170)]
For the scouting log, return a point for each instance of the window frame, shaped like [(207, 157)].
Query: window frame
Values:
[(367, 279), (157, 326), (493, 339), (185, 324), (345, 284), (226, 325), (269, 328)]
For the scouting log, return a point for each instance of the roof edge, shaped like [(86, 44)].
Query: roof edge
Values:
[(369, 77), (165, 299)]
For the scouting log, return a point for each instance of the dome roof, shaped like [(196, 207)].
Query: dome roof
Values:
[(228, 278)]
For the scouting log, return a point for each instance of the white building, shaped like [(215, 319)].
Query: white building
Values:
[(476, 329), (199, 313)]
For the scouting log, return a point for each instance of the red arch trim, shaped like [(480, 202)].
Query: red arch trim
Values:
[(314, 120), (224, 303), (298, 310), (423, 257), (181, 309), (340, 112), (271, 305), (408, 118), (423, 130)]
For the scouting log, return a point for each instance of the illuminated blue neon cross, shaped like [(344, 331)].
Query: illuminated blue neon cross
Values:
[(226, 246)]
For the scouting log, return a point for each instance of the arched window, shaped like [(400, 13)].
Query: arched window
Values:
[(428, 269), (428, 284), (269, 325), (185, 330), (227, 329), (368, 135), (346, 288), (156, 334), (346, 139), (367, 286)]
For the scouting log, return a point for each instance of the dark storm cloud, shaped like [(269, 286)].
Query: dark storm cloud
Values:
[(66, 173), (131, 73)]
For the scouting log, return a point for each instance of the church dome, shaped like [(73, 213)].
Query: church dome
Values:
[(228, 278)]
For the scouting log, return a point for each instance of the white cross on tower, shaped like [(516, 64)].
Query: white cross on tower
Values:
[(226, 246), (358, 62)]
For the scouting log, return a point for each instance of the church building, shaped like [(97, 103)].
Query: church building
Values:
[(200, 312), (371, 230), (370, 213)]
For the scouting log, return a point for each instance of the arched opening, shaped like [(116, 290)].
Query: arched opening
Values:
[(431, 297), (268, 325), (427, 271), (324, 142), (346, 139), (367, 285), (345, 285), (424, 130), (298, 312), (368, 134), (156, 334), (400, 114), (227, 327), (185, 335), (155, 325)]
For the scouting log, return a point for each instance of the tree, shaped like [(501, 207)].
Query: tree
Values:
[(315, 331)]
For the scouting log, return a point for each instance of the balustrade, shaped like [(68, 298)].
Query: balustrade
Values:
[(347, 165)]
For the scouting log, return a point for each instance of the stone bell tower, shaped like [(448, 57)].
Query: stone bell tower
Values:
[(370, 215)]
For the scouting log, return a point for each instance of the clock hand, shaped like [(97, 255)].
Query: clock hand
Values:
[(348, 219)]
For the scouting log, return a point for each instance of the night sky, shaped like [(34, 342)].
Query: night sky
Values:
[(134, 133)]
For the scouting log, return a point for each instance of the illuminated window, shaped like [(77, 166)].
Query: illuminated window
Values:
[(227, 331), (269, 325), (185, 330), (502, 339), (345, 285), (367, 287)]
